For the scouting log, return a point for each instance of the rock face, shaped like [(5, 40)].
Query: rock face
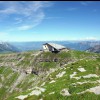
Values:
[(95, 49)]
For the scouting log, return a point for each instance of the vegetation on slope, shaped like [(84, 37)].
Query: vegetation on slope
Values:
[(57, 75)]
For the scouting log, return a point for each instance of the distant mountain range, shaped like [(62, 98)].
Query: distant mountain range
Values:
[(95, 49), (75, 45), (26, 46), (7, 47)]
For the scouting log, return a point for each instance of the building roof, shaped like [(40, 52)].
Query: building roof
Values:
[(56, 46)]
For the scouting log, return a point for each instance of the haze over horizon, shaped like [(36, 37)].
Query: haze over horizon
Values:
[(49, 20)]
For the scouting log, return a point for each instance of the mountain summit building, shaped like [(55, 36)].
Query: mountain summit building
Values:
[(53, 47)]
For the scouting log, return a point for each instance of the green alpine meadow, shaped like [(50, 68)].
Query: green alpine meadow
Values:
[(39, 75)]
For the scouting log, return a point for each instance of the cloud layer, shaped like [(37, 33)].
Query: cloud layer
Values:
[(23, 14)]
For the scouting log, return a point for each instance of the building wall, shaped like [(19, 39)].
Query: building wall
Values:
[(47, 47)]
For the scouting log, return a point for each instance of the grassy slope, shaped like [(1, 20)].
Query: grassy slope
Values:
[(86, 60)]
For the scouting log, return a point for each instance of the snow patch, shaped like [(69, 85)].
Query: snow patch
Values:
[(65, 92), (22, 97), (83, 82), (98, 81), (37, 91), (52, 93), (60, 74), (95, 90), (52, 81), (90, 75), (41, 99), (72, 75), (43, 84), (42, 89), (77, 77), (81, 69), (86, 76)]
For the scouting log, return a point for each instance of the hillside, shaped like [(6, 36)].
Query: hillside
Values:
[(38, 75), (95, 49), (6, 47)]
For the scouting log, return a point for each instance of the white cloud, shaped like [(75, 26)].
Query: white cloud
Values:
[(24, 27), (38, 18), (29, 13), (89, 38), (8, 11)]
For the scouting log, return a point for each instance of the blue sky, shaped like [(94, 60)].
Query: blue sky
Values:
[(49, 20)]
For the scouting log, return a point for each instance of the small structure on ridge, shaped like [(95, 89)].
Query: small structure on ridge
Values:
[(53, 47)]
